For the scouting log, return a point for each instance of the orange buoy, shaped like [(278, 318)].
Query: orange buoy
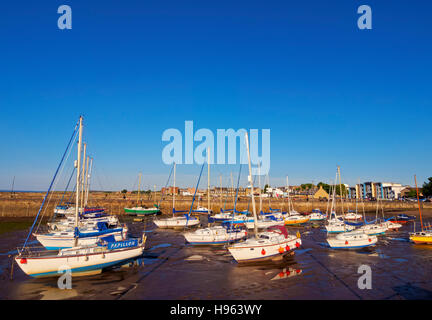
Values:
[(346, 241), (370, 240), (297, 244), (23, 261), (263, 252), (281, 250), (287, 248), (288, 273)]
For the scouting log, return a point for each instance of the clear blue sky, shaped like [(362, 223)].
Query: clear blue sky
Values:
[(330, 93)]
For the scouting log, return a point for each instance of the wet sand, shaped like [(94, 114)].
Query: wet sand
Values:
[(171, 269)]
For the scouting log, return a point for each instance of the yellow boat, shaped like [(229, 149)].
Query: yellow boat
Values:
[(425, 235), (296, 220), (422, 237)]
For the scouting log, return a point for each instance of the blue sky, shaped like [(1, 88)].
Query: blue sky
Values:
[(331, 94)]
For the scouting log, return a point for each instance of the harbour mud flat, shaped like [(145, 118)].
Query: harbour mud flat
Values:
[(26, 204), (172, 269)]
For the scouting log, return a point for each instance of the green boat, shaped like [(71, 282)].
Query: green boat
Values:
[(141, 211)]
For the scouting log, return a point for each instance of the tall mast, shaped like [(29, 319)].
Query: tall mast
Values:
[(78, 176), (208, 180), (232, 189), (82, 177), (220, 190), (340, 189), (418, 201), (174, 187), (139, 186), (252, 188), (88, 182), (289, 199), (259, 182)]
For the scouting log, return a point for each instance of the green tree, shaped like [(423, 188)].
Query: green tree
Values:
[(124, 191), (427, 188)]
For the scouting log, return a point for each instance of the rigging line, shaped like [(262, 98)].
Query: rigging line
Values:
[(193, 199), (169, 177), (67, 185), (55, 184), (49, 188)]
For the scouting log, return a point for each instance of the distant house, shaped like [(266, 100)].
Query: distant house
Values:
[(321, 194)]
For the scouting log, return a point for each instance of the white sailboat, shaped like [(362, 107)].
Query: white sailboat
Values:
[(79, 260), (334, 223), (377, 227), (264, 245), (176, 222), (293, 217), (352, 240), (217, 235)]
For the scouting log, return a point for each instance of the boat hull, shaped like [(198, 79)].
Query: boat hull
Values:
[(79, 265), (56, 243), (244, 254), (171, 223)]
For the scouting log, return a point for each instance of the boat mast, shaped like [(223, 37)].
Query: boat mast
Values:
[(82, 175), (340, 190), (220, 190), (232, 190), (78, 177), (289, 198), (252, 188), (13, 184), (259, 182), (139, 186), (85, 178), (174, 188), (418, 201), (88, 182), (208, 180)]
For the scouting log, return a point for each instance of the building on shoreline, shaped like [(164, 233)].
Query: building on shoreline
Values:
[(373, 190)]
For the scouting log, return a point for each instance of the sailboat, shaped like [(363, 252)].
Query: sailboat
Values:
[(352, 240), (80, 259), (376, 227), (81, 235), (64, 222), (265, 245), (183, 221), (425, 235), (140, 210), (317, 215), (334, 223), (293, 218)]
